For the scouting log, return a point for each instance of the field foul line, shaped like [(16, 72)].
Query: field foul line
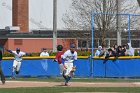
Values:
[(27, 82)]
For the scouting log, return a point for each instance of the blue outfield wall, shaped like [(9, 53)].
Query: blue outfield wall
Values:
[(45, 67), (116, 68), (85, 67)]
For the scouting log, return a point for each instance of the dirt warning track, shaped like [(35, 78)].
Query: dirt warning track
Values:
[(16, 84)]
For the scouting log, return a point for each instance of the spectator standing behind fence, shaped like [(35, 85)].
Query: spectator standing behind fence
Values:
[(129, 50), (123, 50), (98, 51), (1, 72), (103, 52), (44, 52), (110, 53), (115, 48), (120, 51)]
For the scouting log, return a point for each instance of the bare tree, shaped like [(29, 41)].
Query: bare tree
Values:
[(79, 16)]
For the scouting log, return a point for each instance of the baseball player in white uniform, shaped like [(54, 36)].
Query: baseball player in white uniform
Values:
[(70, 56), (17, 61), (44, 53)]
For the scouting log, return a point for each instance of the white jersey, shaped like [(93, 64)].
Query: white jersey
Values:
[(18, 57), (44, 54), (69, 57), (130, 51)]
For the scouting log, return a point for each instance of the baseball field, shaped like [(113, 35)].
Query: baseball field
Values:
[(77, 85)]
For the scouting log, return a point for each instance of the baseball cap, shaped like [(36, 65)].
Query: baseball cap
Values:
[(17, 49), (99, 46), (44, 49), (72, 46)]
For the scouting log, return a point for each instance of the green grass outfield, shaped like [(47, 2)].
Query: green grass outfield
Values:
[(60, 89), (68, 89)]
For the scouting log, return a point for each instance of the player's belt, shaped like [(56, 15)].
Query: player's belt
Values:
[(69, 62), (18, 61)]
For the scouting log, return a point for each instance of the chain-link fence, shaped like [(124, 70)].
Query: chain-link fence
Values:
[(109, 29)]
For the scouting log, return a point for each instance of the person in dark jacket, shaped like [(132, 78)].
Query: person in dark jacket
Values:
[(1, 72)]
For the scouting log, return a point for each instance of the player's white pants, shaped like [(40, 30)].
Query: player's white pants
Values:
[(69, 67), (61, 68), (16, 65)]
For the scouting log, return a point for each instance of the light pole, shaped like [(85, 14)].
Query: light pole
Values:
[(118, 22), (54, 25)]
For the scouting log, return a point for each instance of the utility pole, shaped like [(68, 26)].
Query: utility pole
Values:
[(138, 2), (104, 23), (118, 22), (54, 25)]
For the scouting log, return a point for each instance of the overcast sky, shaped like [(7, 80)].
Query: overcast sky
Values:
[(40, 13), (5, 13)]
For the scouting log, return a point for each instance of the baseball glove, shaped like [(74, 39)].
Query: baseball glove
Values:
[(73, 69)]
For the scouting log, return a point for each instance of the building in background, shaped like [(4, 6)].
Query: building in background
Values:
[(40, 13), (22, 38), (20, 14), (36, 40)]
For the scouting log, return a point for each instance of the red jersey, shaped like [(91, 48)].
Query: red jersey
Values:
[(58, 56)]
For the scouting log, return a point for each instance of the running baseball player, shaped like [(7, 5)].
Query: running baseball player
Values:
[(70, 56), (17, 61), (58, 58)]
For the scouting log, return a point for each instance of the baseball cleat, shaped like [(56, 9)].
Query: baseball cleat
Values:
[(3, 81), (66, 84), (12, 78)]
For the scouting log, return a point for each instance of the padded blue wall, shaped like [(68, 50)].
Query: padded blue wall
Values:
[(45, 67), (116, 68), (99, 68)]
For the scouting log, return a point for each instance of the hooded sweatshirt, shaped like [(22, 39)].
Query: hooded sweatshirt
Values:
[(130, 50)]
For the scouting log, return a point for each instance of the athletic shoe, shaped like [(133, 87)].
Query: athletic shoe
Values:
[(66, 84), (3, 81), (12, 78)]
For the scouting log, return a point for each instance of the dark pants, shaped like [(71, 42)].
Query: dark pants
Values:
[(1, 74)]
